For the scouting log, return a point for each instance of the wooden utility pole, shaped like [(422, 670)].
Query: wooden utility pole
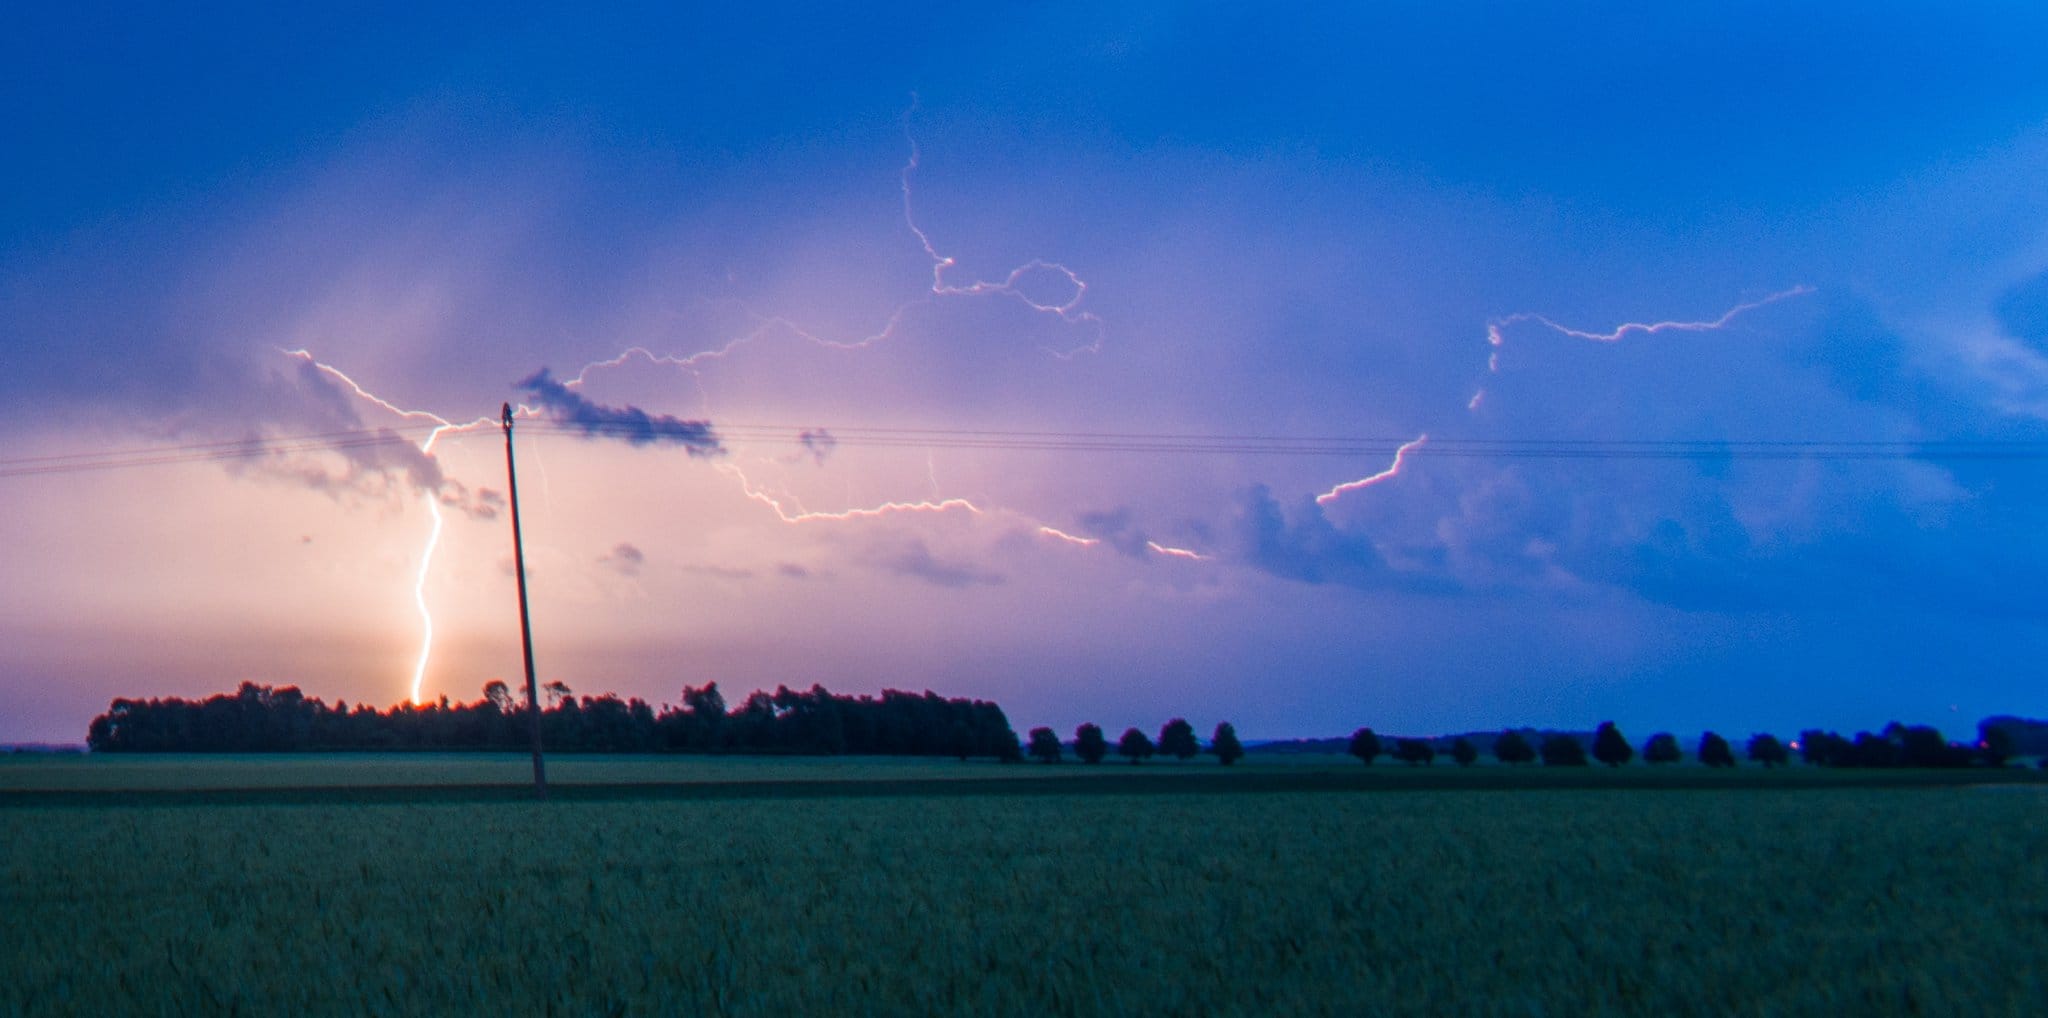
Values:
[(540, 772)]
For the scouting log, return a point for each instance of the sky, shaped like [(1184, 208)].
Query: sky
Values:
[(880, 278)]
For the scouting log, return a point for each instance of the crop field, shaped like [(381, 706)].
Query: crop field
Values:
[(1625, 900)]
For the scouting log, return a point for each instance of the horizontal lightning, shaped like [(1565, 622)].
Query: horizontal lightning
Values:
[(1496, 330), (1496, 335)]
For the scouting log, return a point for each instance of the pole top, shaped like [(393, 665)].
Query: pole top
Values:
[(507, 418)]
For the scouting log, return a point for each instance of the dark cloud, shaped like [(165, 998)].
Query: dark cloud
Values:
[(915, 560), (345, 458), (631, 423), (793, 571), (1117, 528), (818, 442), (625, 559), (1302, 544), (477, 504)]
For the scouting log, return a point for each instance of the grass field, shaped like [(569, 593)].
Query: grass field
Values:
[(1625, 900)]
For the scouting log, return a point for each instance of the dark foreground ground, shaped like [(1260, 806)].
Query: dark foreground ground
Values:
[(908, 889)]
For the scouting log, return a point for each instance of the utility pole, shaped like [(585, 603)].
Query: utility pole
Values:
[(540, 772)]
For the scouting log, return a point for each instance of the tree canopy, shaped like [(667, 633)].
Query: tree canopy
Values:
[(1225, 745), (1135, 745), (1177, 740), (1364, 745)]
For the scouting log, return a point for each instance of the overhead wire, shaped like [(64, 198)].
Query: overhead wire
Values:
[(1100, 442)]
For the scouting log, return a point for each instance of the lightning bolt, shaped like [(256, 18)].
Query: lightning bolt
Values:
[(1400, 457), (1495, 337), (1011, 287), (789, 509), (441, 426), (1496, 330)]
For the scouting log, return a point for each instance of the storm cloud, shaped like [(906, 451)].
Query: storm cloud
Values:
[(634, 425)]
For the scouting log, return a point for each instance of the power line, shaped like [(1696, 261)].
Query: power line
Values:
[(1100, 442)]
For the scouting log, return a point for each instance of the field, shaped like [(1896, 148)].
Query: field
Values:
[(923, 890)]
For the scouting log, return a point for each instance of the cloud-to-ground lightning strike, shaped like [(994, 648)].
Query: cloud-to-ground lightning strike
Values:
[(1010, 287), (1393, 469), (441, 426)]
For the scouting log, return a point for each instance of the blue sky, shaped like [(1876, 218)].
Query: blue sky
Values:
[(1295, 223)]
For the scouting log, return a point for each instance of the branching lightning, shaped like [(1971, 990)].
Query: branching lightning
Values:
[(786, 509), (441, 426)]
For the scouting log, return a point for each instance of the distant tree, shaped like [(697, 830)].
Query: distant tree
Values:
[(1662, 748), (1513, 748), (1995, 746), (1135, 745), (1364, 745), (1177, 740), (1764, 748), (1922, 746), (1714, 751), (1414, 751), (499, 696), (1562, 751), (1819, 748), (1045, 745), (1089, 744), (558, 692), (1610, 746), (1225, 745), (1464, 752)]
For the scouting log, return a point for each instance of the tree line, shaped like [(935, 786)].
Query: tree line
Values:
[(260, 719), (1896, 746), (1176, 739)]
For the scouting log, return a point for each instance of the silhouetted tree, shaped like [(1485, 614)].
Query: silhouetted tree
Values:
[(1563, 751), (1364, 745), (1463, 751), (1089, 744), (1662, 748), (1225, 745), (1414, 751), (1714, 751), (1513, 748), (1610, 746), (1764, 748), (1177, 740), (1995, 745), (1134, 745), (1045, 745), (1822, 749)]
